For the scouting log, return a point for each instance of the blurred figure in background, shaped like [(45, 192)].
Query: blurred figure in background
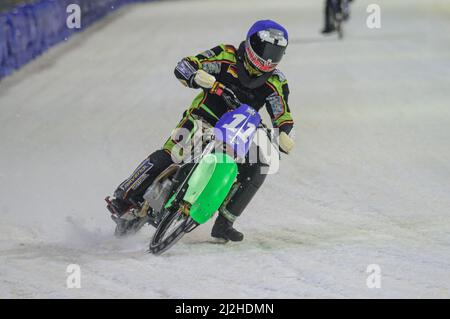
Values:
[(333, 7)]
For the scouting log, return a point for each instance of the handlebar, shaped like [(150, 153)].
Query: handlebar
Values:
[(232, 101)]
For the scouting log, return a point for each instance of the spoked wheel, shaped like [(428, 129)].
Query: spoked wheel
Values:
[(172, 227), (338, 21), (337, 18), (339, 28)]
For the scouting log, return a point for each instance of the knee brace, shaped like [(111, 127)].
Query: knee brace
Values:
[(250, 179)]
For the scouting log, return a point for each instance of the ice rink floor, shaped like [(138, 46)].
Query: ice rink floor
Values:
[(368, 181)]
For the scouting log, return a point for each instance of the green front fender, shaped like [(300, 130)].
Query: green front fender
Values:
[(209, 185)]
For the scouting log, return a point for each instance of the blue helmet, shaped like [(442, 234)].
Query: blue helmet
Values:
[(265, 45)]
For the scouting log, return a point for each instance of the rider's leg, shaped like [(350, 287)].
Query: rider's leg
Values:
[(130, 191), (329, 27), (250, 179)]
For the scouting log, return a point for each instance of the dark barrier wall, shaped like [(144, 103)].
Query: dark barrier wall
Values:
[(9, 4), (29, 29)]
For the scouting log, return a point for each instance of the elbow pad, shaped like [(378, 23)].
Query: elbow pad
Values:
[(185, 72)]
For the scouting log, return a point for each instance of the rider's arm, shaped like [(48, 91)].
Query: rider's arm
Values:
[(209, 61), (278, 108), (277, 103)]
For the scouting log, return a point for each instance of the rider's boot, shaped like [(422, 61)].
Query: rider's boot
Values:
[(329, 28), (118, 206), (123, 214), (223, 230)]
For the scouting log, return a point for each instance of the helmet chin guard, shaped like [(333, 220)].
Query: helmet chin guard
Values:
[(249, 79)]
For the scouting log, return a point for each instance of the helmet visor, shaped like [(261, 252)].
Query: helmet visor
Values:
[(265, 52)]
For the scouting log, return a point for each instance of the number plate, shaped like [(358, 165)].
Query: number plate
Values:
[(238, 127)]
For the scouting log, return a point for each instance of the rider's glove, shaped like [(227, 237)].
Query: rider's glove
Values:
[(227, 95), (204, 79), (217, 88), (286, 143)]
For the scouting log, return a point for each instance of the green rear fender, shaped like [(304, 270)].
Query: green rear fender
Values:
[(209, 185)]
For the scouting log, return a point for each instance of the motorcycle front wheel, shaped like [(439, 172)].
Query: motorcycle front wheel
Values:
[(172, 227)]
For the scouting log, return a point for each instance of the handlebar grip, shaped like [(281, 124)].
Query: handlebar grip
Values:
[(229, 97)]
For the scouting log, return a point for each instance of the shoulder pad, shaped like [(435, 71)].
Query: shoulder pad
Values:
[(208, 54), (229, 48), (280, 75)]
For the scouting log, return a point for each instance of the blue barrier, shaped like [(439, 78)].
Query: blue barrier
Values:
[(4, 54), (30, 29)]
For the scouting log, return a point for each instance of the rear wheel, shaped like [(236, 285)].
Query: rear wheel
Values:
[(338, 21), (336, 16), (172, 227), (340, 30)]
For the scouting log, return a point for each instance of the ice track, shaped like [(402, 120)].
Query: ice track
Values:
[(368, 182)]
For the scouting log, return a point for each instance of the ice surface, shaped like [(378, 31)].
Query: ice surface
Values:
[(368, 182)]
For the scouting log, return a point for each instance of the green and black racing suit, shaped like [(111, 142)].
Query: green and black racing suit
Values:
[(225, 63)]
